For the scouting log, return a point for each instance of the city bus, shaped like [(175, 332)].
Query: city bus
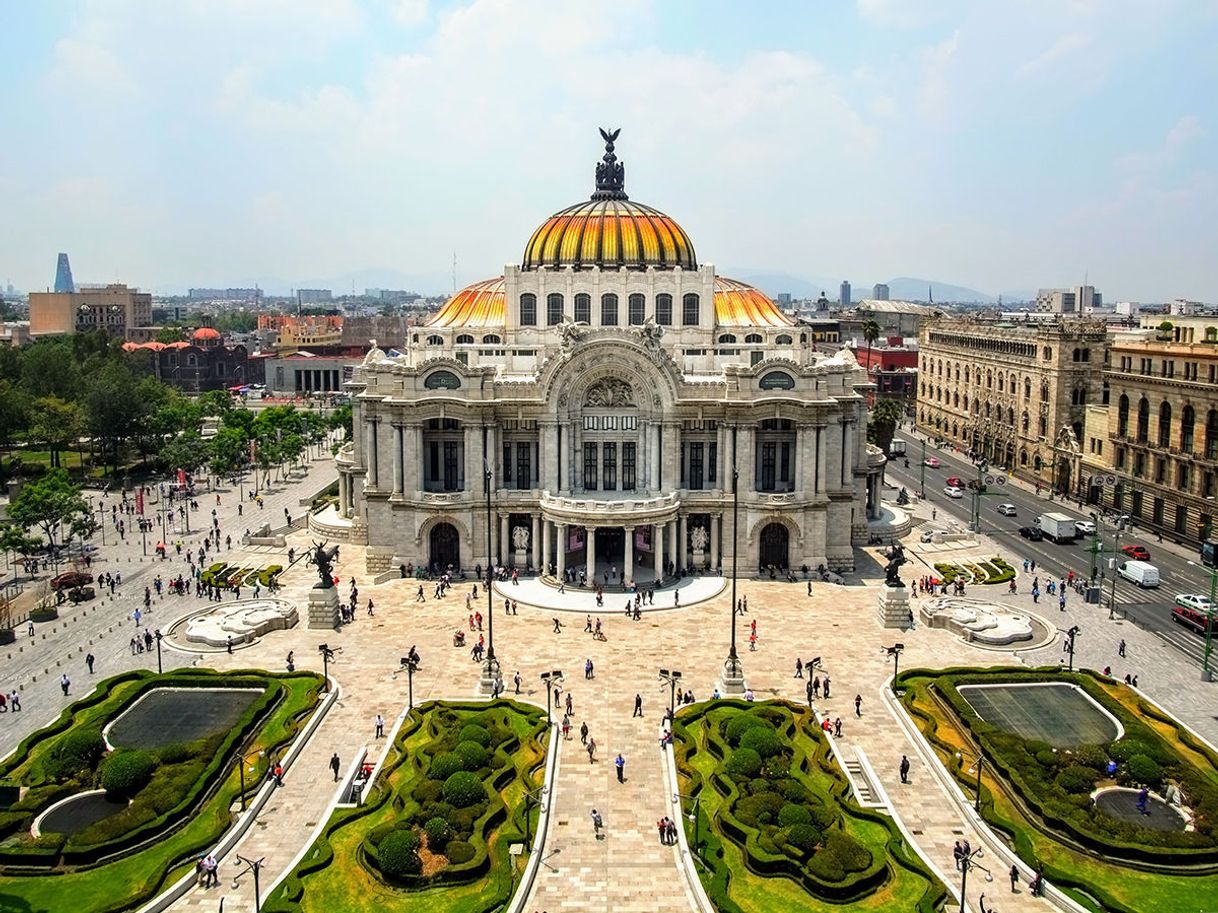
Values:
[(1192, 618)]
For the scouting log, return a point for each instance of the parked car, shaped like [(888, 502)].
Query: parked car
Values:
[(1085, 527), (953, 492), (70, 580), (1031, 533), (1007, 510), (1193, 601), (954, 482), (932, 462), (1136, 552)]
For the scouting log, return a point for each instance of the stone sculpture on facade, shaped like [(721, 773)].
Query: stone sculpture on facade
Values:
[(610, 391)]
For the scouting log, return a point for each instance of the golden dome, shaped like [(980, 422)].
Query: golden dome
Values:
[(736, 305), (740, 305), (609, 231), (477, 305)]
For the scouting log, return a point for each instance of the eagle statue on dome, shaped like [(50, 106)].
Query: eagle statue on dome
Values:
[(610, 173)]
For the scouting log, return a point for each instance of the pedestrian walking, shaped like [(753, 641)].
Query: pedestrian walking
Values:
[(662, 827), (638, 706), (557, 626), (799, 668), (620, 764), (591, 750), (904, 768), (858, 705), (808, 691), (335, 764), (380, 726), (1121, 648), (14, 700), (597, 823), (89, 660), (837, 727), (516, 681), (825, 687), (1014, 877), (958, 855), (583, 733), (65, 683)]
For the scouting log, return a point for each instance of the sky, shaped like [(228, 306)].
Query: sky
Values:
[(996, 145)]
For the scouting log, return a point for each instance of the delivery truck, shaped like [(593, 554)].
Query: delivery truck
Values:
[(1057, 527)]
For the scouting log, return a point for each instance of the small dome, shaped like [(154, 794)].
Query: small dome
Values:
[(477, 305), (153, 346), (130, 346), (740, 305), (205, 336)]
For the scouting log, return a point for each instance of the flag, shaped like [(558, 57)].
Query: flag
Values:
[(139, 501)]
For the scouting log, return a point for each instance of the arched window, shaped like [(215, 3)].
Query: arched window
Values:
[(583, 308), (1086, 355), (1025, 420), (956, 400), (1027, 388), (1143, 420), (1188, 419), (465, 340), (1123, 416), (554, 305), (491, 340), (783, 340), (1211, 434), (435, 340), (442, 380), (664, 310), (725, 338), (1001, 383), (989, 380), (1010, 416), (635, 309), (966, 375), (1165, 424), (1106, 395), (1044, 391), (1076, 355), (1023, 458), (528, 310), (754, 339), (1044, 425), (609, 310), (689, 310)]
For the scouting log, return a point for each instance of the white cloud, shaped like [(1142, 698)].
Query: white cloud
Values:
[(1186, 129), (409, 12), (1063, 48), (936, 89)]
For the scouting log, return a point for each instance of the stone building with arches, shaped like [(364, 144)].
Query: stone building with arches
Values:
[(1013, 392), (602, 396)]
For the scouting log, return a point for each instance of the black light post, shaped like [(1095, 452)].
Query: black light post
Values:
[(157, 634), (327, 654), (532, 797), (810, 670), (411, 665), (490, 668), (549, 679), (697, 801), (251, 865), (101, 519), (895, 652), (966, 863), (733, 674), (1070, 635), (241, 759), (672, 678)]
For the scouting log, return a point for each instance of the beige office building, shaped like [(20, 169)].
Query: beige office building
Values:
[(115, 308)]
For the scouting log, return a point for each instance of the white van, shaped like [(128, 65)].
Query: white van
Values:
[(1143, 573)]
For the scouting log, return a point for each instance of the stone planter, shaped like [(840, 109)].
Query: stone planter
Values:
[(47, 614), (8, 635)]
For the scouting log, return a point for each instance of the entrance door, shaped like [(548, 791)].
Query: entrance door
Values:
[(445, 547), (774, 541), (611, 552)]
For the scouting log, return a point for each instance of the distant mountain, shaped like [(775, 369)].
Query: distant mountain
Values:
[(772, 283), (907, 289)]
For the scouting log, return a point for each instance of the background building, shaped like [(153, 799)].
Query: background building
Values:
[(844, 294), (121, 311), (1082, 299), (204, 363), (314, 296), (63, 276), (225, 294), (879, 291), (1013, 393)]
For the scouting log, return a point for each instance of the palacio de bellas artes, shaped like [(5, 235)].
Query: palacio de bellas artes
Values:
[(609, 403)]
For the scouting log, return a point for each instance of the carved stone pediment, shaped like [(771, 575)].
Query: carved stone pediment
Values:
[(609, 391)]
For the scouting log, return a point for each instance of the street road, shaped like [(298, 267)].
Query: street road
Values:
[(1148, 608)]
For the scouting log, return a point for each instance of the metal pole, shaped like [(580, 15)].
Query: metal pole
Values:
[(964, 864), (241, 771), (922, 482), (257, 893), (731, 654), (410, 688), (159, 670), (490, 605), (1209, 625), (1116, 550), (977, 803)]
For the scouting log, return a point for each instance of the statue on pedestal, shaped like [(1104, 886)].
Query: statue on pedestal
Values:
[(896, 557), (323, 559)]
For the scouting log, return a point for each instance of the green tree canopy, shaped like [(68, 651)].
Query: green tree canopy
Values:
[(48, 502), (885, 416), (57, 424)]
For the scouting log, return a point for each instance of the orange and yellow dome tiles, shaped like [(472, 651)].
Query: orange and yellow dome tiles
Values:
[(609, 233), (484, 304)]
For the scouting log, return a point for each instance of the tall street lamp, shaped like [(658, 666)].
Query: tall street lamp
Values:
[(1206, 673), (1070, 635), (327, 653), (733, 671), (490, 666), (251, 865), (895, 652), (672, 678), (979, 762), (411, 665), (966, 863), (158, 635), (549, 680)]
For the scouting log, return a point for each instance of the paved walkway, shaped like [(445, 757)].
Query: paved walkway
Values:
[(533, 592)]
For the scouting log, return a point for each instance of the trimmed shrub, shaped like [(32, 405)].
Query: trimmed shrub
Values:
[(738, 725), (126, 771), (459, 851), (445, 765), (766, 742), (472, 732), (76, 752), (399, 854), (174, 753), (744, 764), (438, 834), (839, 856), (1048, 758), (759, 810), (790, 815), (429, 791), (1126, 748), (472, 755), (1144, 769), (463, 789), (804, 837), (1092, 756), (1076, 779)]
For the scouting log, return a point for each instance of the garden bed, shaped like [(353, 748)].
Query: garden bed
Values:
[(231, 576), (984, 572), (179, 794), (774, 821), (435, 829), (1041, 795)]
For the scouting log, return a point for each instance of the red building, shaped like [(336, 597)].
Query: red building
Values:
[(893, 369)]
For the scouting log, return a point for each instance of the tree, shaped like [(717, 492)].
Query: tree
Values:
[(49, 368), (115, 404), (48, 502), (56, 423), (187, 451), (882, 425), (342, 418), (170, 334), (14, 416), (871, 332)]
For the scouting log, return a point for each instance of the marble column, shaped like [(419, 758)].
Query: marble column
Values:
[(801, 443), (847, 442), (657, 547), (562, 550), (590, 553), (628, 568), (371, 460), (820, 459), (683, 542), (505, 540), (714, 540), (549, 457), (535, 541), (420, 463), (654, 478), (397, 460), (547, 551)]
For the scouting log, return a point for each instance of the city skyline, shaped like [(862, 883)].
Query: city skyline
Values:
[(981, 145)]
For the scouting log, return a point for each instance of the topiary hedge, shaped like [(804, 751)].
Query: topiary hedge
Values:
[(464, 789), (126, 771)]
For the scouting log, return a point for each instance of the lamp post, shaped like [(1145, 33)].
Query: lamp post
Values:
[(1070, 635), (733, 673), (895, 652), (241, 759), (966, 863), (101, 519), (532, 796), (251, 865), (979, 762), (810, 669), (1206, 673), (411, 665), (922, 479), (549, 679), (327, 653), (490, 667), (672, 678), (1118, 526), (157, 634), (697, 801)]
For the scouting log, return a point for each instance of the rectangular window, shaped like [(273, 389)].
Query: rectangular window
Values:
[(689, 310), (583, 308), (1139, 464), (433, 461), (695, 465), (712, 461), (1160, 470), (524, 464), (628, 465), (452, 475), (528, 310), (769, 455), (589, 466), (636, 304), (664, 310), (1120, 458), (1213, 374), (784, 463), (1135, 508), (1157, 516), (609, 466), (682, 463), (609, 310), (1184, 477), (507, 462), (1207, 485)]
